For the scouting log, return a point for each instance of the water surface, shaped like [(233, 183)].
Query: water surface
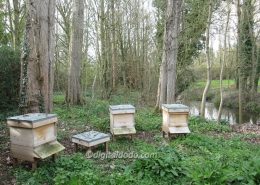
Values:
[(230, 115)]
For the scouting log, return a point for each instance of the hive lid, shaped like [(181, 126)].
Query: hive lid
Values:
[(48, 149), (175, 107), (90, 136), (120, 109), (32, 117)]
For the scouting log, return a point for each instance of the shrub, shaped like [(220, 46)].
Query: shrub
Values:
[(9, 75), (166, 167)]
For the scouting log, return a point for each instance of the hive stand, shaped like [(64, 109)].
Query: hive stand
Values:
[(91, 139), (33, 137)]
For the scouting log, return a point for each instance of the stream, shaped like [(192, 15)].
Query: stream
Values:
[(230, 115)]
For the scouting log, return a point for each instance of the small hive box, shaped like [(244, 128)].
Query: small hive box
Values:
[(122, 119), (175, 119), (33, 136)]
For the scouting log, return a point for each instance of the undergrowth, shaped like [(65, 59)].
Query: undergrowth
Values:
[(209, 155)]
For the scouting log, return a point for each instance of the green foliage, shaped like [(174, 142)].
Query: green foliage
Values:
[(73, 169), (9, 75), (147, 120), (166, 167), (198, 124), (211, 154)]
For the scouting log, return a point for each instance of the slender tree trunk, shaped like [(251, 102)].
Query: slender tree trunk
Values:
[(74, 88), (36, 87), (11, 22), (207, 87), (222, 65), (114, 63), (240, 78)]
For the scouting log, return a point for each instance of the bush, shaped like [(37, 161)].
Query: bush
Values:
[(10, 79), (166, 167)]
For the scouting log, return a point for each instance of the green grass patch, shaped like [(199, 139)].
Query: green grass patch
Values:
[(215, 84)]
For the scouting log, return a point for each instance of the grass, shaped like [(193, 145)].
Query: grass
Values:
[(215, 84), (211, 154)]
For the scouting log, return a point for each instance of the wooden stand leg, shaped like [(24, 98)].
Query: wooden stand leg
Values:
[(163, 134), (113, 137), (53, 157), (106, 145), (16, 162), (76, 147), (34, 164), (89, 150), (131, 137)]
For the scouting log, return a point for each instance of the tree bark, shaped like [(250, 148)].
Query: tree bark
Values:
[(36, 87), (171, 46), (207, 87), (167, 79), (74, 87)]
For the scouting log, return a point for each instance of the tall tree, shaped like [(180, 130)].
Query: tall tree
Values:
[(74, 87), (206, 89), (167, 80), (36, 89), (223, 62)]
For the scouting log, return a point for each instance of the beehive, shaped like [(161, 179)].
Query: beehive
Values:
[(175, 118), (122, 119), (33, 136)]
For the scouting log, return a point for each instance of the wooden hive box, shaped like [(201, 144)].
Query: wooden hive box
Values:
[(175, 118), (33, 136), (122, 119)]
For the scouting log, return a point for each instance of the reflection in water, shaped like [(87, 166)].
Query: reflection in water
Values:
[(230, 115)]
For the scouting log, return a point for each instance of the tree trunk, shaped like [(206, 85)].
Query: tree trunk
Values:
[(74, 87), (167, 79), (36, 87), (114, 63), (205, 92), (222, 65), (171, 46)]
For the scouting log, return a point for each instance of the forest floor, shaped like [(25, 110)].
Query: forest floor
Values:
[(211, 154)]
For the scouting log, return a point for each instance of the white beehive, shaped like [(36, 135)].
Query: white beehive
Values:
[(175, 118), (33, 136), (122, 119)]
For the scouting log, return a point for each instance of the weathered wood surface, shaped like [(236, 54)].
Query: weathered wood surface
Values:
[(175, 108), (91, 138), (121, 109), (32, 120)]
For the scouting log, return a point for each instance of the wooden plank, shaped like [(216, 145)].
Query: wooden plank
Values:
[(23, 152), (179, 130), (48, 149), (123, 120), (11, 123), (178, 120), (44, 134), (121, 109), (89, 144), (175, 108), (24, 124), (21, 136), (123, 131)]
